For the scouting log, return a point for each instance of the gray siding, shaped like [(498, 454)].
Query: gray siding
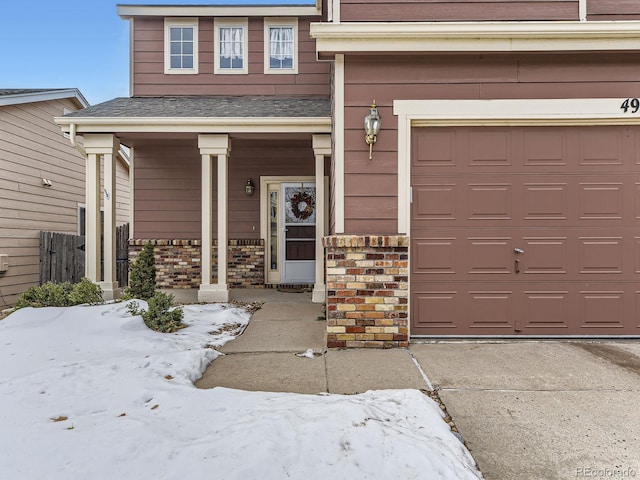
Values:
[(32, 147)]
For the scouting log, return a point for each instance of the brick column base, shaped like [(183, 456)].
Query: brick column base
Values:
[(178, 262), (367, 291)]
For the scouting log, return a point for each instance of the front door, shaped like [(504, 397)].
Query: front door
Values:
[(290, 229), (299, 232)]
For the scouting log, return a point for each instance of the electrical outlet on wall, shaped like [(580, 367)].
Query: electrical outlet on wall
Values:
[(4, 262)]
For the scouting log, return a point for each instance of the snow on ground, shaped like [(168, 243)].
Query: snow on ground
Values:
[(92, 393)]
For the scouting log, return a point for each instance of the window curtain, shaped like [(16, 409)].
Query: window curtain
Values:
[(281, 46), (231, 43)]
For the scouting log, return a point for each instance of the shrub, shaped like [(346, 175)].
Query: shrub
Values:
[(142, 281), (85, 291), (46, 295), (60, 294), (162, 316)]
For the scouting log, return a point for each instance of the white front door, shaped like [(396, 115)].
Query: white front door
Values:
[(298, 206)]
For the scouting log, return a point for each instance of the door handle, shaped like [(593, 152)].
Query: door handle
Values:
[(517, 266), (518, 250)]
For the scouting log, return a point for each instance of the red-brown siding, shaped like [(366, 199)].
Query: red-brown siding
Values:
[(613, 10), (371, 185), (457, 10), (168, 194), (148, 65)]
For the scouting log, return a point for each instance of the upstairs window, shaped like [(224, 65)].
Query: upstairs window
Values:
[(181, 45), (231, 46), (281, 45)]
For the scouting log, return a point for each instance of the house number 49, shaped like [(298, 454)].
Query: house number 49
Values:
[(630, 105)]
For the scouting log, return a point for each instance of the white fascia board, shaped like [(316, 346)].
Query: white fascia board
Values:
[(44, 96), (129, 11), (198, 125), (476, 36), (571, 111)]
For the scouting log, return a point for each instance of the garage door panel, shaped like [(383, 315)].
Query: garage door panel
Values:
[(434, 256), (435, 202), (601, 255), (601, 309), (546, 309), (545, 148), (490, 147), (525, 231), (545, 256), (488, 201), (490, 309), (437, 311), (488, 256), (602, 147), (544, 201)]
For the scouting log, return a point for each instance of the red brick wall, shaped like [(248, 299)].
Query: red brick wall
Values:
[(178, 262), (367, 291)]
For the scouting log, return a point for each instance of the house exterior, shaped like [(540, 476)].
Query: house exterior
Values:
[(42, 182), (499, 198)]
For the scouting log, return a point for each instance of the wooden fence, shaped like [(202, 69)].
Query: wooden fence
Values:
[(62, 257)]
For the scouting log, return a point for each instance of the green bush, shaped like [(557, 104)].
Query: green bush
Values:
[(85, 292), (46, 295), (60, 294), (142, 281), (162, 316)]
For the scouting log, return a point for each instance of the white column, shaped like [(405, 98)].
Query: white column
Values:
[(206, 223), (223, 208), (214, 145), (321, 148), (92, 219), (106, 146), (110, 283)]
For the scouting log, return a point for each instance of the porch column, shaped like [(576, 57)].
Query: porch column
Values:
[(321, 148), (92, 219), (106, 146), (219, 146)]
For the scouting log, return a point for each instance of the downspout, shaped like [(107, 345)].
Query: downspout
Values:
[(74, 143)]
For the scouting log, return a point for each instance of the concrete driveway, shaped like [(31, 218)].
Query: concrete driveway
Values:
[(542, 409)]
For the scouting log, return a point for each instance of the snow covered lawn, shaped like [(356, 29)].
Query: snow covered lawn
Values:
[(92, 393)]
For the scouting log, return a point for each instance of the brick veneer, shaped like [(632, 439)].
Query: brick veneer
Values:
[(178, 262), (367, 291)]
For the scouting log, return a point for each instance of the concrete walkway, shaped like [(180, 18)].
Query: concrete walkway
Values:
[(264, 357), (526, 409)]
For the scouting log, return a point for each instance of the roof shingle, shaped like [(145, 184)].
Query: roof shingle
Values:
[(208, 106)]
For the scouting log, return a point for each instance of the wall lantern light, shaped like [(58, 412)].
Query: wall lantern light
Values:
[(371, 127), (249, 188)]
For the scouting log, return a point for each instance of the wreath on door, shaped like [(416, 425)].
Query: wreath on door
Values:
[(302, 205)]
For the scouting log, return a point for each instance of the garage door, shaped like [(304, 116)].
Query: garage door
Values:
[(525, 231)]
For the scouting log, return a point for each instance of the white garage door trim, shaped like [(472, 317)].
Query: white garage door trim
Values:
[(530, 112)]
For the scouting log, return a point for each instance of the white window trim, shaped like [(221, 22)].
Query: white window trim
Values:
[(280, 22), (78, 222), (510, 112), (180, 22), (230, 22)]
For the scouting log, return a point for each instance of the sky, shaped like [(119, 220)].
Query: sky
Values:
[(76, 44)]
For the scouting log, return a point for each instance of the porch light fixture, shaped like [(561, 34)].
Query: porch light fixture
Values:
[(371, 127), (249, 188)]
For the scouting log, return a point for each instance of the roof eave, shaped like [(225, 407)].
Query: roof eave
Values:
[(476, 36), (196, 124), (130, 11), (43, 96)]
